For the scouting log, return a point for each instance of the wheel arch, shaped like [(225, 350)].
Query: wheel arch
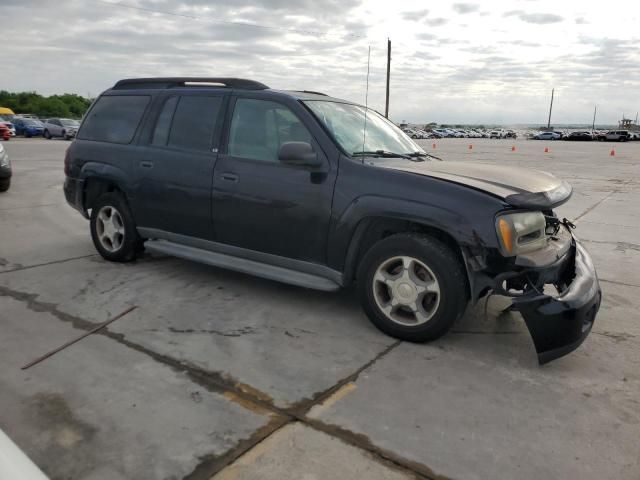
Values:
[(99, 179)]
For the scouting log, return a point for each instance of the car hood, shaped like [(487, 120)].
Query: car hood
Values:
[(519, 187)]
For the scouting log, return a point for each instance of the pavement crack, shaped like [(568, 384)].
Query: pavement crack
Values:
[(301, 407), (239, 332), (595, 205), (35, 305), (27, 267)]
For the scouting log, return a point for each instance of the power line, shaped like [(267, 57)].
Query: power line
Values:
[(227, 22)]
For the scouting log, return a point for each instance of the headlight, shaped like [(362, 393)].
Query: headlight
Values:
[(521, 232)]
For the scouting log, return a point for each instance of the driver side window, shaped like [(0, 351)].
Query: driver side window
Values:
[(260, 127)]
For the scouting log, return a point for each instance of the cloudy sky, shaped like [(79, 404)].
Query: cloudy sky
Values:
[(467, 62)]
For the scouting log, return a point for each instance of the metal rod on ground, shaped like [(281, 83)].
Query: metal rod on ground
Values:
[(386, 107), (75, 340), (593, 125)]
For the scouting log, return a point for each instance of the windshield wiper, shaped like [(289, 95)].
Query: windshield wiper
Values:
[(381, 153), (424, 154)]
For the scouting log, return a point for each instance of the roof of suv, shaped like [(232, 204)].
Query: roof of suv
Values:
[(163, 83)]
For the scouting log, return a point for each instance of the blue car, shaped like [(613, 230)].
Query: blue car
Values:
[(28, 127)]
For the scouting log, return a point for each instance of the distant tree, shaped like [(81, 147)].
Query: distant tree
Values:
[(67, 105)]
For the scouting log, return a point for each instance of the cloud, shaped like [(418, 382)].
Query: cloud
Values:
[(488, 71), (437, 22), (537, 18), (463, 8), (415, 15)]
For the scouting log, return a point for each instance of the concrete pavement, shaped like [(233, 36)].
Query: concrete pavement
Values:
[(219, 373)]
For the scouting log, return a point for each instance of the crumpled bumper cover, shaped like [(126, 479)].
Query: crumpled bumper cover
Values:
[(559, 324)]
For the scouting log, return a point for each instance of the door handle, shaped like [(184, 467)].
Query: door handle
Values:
[(146, 164), (230, 177)]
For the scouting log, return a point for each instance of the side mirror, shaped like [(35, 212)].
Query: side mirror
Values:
[(298, 153)]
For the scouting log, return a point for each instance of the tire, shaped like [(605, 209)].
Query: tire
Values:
[(418, 317), (113, 229), (46, 135), (5, 183)]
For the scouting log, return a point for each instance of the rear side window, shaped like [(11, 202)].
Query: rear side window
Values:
[(193, 122), (114, 119)]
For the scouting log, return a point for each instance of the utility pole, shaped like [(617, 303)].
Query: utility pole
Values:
[(386, 107), (550, 107), (593, 125)]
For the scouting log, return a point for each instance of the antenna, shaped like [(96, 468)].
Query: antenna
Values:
[(366, 102)]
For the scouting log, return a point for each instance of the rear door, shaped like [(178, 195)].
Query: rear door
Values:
[(262, 204), (175, 164)]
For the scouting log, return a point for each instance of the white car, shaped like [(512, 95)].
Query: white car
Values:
[(60, 127), (497, 134), (547, 136)]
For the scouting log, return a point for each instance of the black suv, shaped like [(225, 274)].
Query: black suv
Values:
[(323, 193)]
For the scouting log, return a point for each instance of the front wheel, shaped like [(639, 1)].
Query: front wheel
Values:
[(113, 229), (47, 135), (412, 287)]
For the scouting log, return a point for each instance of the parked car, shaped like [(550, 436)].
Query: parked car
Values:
[(511, 134), (442, 132), (28, 127), (5, 133), (5, 170), (547, 136), (615, 136), (497, 134), (60, 127), (7, 123), (289, 186), (579, 136)]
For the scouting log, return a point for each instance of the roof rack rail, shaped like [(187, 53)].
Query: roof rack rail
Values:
[(172, 82), (311, 91)]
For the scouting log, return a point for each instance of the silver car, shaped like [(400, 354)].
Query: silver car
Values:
[(60, 127)]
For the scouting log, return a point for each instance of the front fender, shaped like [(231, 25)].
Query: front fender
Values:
[(350, 227)]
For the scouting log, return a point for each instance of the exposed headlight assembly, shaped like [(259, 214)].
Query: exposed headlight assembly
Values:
[(521, 232)]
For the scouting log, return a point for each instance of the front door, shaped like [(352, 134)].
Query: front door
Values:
[(174, 169), (261, 204)]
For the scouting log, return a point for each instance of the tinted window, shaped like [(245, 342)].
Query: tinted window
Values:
[(193, 122), (161, 132), (259, 127), (114, 118)]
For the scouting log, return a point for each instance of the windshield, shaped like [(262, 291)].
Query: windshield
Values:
[(346, 123), (69, 123), (33, 123)]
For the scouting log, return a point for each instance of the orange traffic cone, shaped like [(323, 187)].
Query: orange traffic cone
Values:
[(513, 149), (433, 146), (612, 153), (470, 147), (546, 149)]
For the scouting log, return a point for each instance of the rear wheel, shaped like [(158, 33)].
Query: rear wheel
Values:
[(113, 229), (5, 183), (412, 287)]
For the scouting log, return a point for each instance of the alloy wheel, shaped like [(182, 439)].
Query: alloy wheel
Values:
[(110, 228), (406, 291)]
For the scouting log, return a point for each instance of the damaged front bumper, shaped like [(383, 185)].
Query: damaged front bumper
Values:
[(559, 323)]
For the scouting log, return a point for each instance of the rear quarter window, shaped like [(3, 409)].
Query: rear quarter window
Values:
[(114, 118)]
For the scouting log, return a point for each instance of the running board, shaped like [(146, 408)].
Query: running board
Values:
[(264, 270)]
